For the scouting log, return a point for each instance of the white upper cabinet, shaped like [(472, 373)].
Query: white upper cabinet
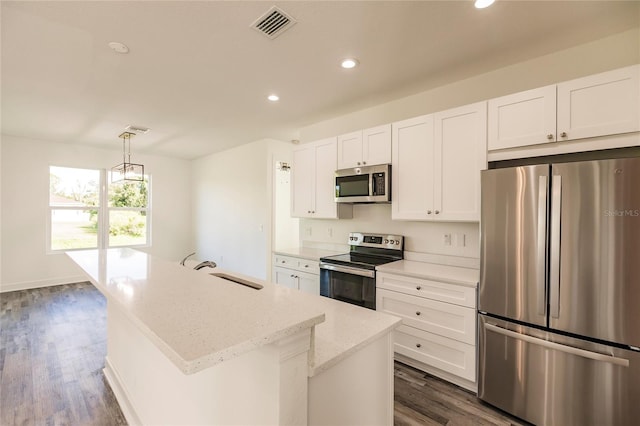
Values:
[(376, 145), (365, 147), (461, 153), (521, 119), (313, 182), (413, 153), (436, 165), (601, 104), (598, 105)]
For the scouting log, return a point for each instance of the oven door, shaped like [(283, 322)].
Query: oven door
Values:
[(348, 284)]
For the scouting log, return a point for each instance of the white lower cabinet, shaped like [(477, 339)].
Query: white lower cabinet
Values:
[(299, 273), (439, 325)]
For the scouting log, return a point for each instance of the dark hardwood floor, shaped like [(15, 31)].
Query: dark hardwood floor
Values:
[(52, 349), (53, 342)]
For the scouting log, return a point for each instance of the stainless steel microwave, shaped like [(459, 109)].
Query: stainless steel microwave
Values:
[(367, 184)]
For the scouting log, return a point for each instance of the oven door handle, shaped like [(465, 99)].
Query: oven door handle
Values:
[(348, 270)]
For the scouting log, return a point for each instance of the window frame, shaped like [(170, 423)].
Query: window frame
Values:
[(103, 213)]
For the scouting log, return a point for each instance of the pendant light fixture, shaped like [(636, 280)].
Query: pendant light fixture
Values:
[(127, 171)]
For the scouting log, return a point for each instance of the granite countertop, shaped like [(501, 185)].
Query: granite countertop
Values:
[(198, 320), (452, 274), (307, 253)]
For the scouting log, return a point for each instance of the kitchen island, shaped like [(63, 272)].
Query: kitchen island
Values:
[(186, 347)]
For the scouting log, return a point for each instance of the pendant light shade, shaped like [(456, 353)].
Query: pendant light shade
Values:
[(127, 171)]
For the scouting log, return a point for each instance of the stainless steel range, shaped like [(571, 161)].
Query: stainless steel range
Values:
[(351, 277)]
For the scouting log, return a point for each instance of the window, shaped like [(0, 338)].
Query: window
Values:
[(84, 212)]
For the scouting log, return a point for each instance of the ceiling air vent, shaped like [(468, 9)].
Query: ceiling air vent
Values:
[(273, 23)]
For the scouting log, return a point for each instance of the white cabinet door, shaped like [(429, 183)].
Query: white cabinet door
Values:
[(412, 146), (460, 154), (521, 119), (325, 187), (285, 277), (309, 283), (350, 150), (601, 104), (376, 145), (302, 181)]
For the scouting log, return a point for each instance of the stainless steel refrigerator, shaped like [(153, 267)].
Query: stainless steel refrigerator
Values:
[(559, 294)]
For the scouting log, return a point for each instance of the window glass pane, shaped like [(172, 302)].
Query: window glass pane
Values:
[(128, 194), (73, 187), (74, 229), (127, 228)]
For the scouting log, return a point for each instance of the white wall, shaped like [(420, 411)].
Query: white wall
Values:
[(25, 198), (232, 213), (608, 53)]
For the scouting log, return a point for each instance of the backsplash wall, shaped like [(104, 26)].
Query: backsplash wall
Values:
[(420, 237)]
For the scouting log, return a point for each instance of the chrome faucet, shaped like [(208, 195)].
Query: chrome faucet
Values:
[(205, 264)]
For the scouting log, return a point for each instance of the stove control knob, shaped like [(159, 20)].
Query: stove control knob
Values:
[(386, 241), (397, 242)]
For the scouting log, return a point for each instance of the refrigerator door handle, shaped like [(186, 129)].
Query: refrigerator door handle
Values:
[(541, 244), (554, 272), (596, 356)]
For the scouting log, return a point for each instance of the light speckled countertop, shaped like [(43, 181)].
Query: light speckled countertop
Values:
[(307, 253), (452, 274), (198, 320)]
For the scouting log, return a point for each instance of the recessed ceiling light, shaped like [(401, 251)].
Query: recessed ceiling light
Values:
[(481, 4), (118, 47), (349, 63), (273, 98)]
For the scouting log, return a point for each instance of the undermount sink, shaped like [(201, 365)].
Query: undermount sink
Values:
[(237, 280)]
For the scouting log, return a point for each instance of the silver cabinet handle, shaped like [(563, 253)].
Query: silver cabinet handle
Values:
[(541, 243), (428, 211), (308, 211), (418, 313), (418, 345), (358, 163), (437, 211), (550, 136), (364, 162), (306, 266), (563, 134), (554, 273), (559, 347), (418, 287)]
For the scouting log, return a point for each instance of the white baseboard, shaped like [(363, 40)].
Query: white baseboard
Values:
[(26, 285), (121, 394)]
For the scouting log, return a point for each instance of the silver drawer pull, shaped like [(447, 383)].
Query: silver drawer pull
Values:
[(283, 261), (418, 345), (306, 266), (418, 313)]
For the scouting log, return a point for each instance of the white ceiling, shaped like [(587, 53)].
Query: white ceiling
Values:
[(198, 75)]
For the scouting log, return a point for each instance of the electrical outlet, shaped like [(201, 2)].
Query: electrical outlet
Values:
[(446, 239)]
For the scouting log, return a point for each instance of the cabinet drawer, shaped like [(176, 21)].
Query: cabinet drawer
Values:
[(435, 290), (448, 355), (310, 266), (285, 261), (444, 319)]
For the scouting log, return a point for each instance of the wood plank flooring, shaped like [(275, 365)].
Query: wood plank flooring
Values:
[(52, 349), (53, 342)]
